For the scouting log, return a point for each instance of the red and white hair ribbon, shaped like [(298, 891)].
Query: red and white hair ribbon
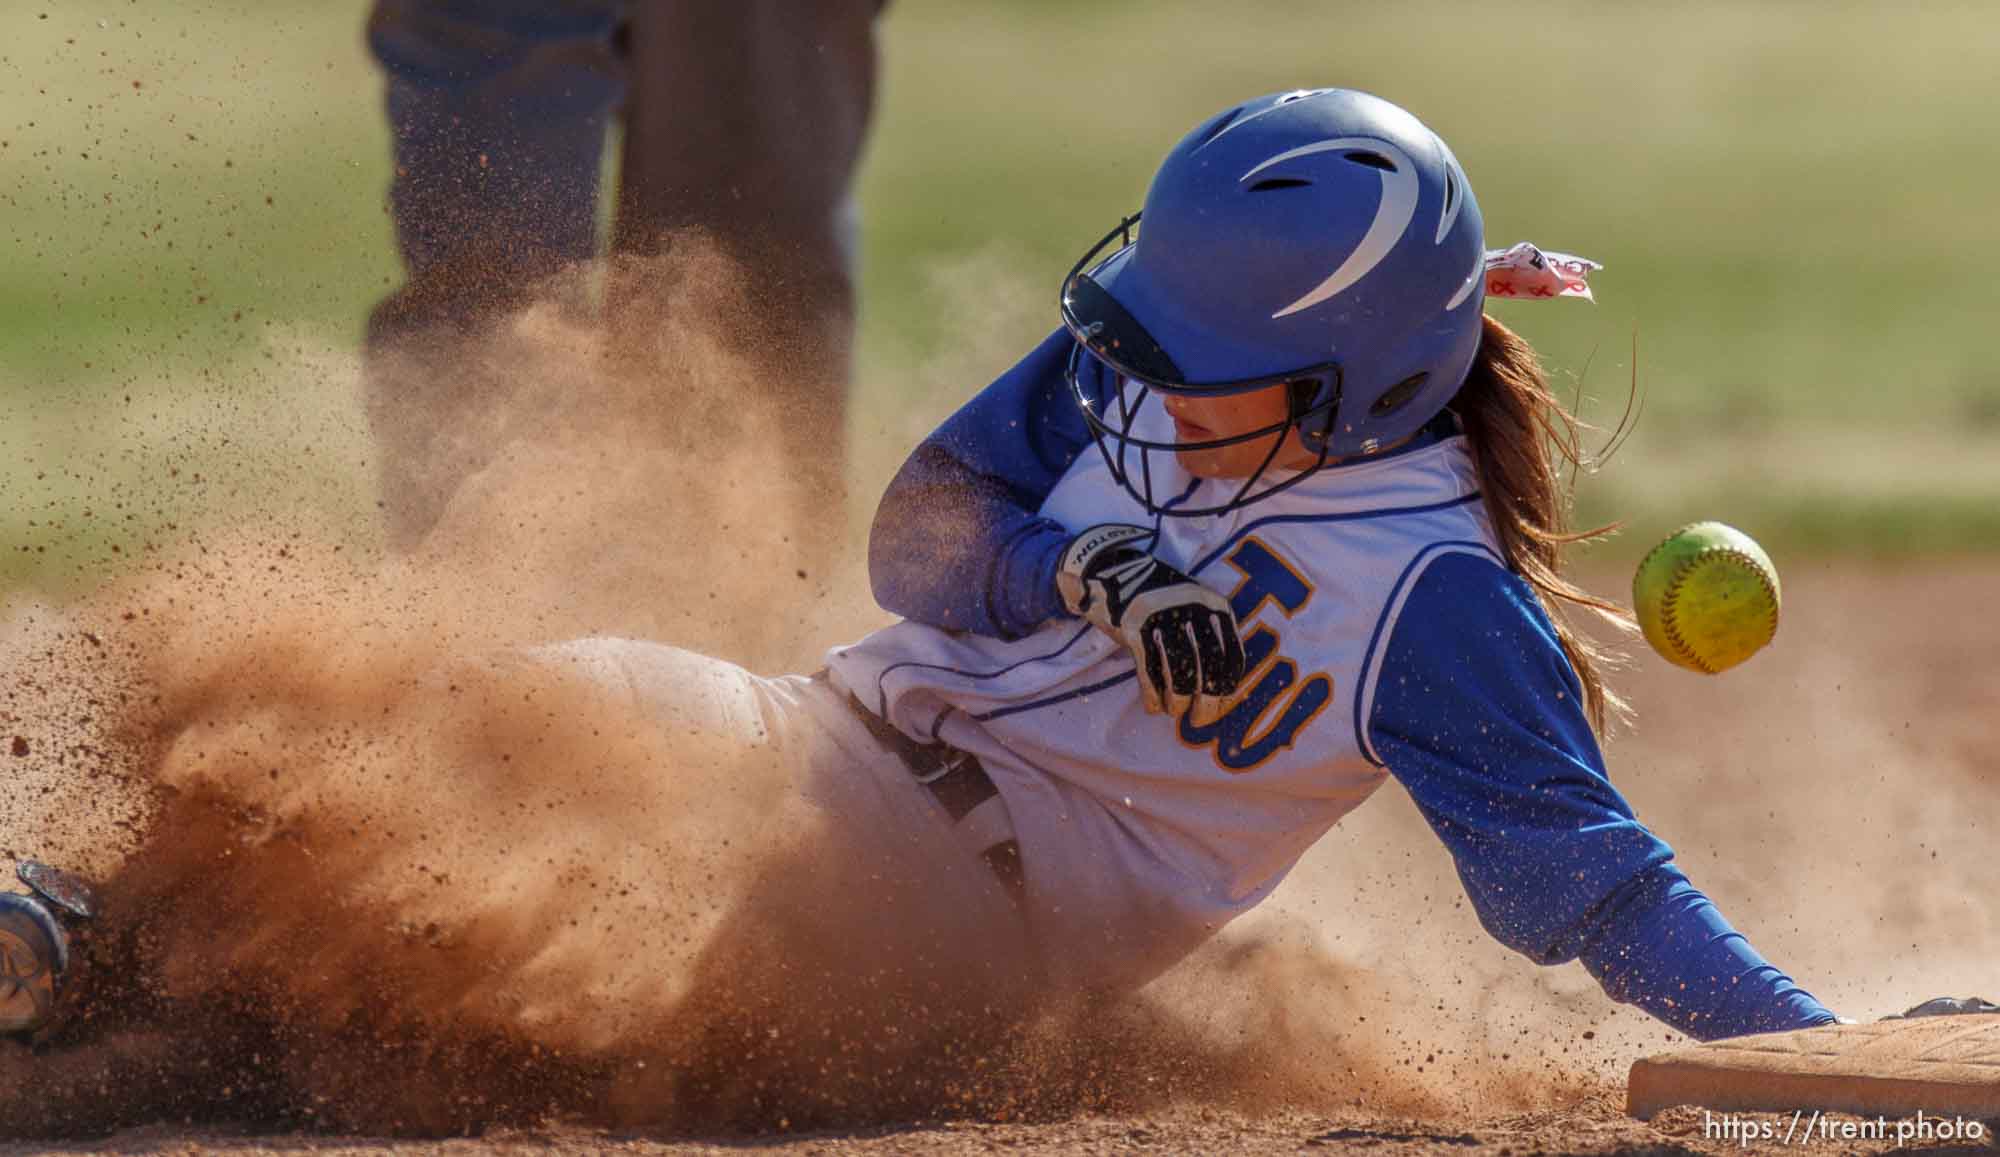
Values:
[(1525, 271)]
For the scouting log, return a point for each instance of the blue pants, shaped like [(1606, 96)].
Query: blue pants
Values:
[(498, 110), (743, 118)]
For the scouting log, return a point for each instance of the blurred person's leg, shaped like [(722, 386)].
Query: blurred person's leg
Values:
[(746, 121), (498, 111)]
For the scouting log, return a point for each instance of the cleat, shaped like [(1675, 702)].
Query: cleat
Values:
[(34, 952), (70, 893)]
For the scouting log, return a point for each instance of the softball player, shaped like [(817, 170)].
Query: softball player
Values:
[(1270, 519)]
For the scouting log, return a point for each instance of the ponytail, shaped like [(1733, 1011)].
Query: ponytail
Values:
[(1521, 434)]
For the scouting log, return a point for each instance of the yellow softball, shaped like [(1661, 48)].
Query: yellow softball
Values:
[(1707, 597)]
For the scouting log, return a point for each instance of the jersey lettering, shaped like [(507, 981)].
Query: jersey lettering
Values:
[(1239, 744)]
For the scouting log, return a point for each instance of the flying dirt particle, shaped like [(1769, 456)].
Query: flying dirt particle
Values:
[(20, 747)]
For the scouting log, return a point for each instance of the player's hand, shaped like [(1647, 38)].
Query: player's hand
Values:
[(1946, 1006), (1181, 634)]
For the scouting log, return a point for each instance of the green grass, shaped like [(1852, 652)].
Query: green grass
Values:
[(178, 178), (1793, 203)]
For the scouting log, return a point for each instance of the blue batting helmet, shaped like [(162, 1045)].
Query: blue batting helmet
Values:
[(1325, 239)]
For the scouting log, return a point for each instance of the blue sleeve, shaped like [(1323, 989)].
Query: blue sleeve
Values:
[(956, 541), (1479, 714)]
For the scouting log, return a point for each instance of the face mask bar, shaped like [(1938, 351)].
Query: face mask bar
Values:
[(1135, 359)]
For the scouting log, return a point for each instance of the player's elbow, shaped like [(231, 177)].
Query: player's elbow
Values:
[(917, 560), (1542, 940), (1553, 896), (1546, 925), (895, 573), (897, 556)]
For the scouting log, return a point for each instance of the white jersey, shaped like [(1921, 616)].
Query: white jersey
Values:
[(1142, 834)]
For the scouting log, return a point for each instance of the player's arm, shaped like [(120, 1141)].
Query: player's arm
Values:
[(1478, 713), (956, 541)]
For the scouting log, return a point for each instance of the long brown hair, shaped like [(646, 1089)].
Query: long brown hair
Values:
[(1521, 435)]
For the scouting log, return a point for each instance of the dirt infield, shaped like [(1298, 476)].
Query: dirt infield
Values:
[(365, 894), (1828, 794), (362, 882), (1595, 1126)]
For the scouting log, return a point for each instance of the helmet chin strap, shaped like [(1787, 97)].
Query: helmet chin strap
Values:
[(1313, 435)]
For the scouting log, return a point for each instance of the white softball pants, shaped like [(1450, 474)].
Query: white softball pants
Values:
[(913, 886)]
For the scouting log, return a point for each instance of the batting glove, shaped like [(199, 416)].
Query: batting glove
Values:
[(1181, 634)]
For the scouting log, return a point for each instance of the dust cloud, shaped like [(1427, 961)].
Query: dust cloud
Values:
[(365, 867)]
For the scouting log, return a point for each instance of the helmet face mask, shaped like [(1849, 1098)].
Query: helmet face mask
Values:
[(1140, 367), (1321, 239)]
